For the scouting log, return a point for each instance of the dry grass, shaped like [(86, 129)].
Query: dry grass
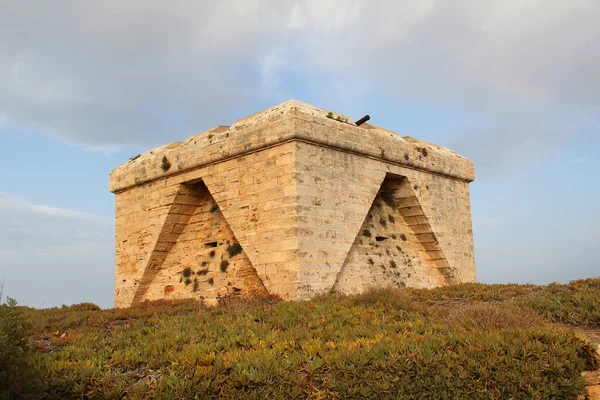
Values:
[(493, 316), (470, 341)]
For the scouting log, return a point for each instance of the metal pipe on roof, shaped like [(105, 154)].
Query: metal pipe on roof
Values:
[(362, 120)]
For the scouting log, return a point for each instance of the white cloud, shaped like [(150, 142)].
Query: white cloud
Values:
[(60, 212), (50, 256), (27, 81), (10, 204), (542, 51), (579, 160), (111, 74), (269, 63)]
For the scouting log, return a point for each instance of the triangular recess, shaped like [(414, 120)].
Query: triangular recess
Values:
[(196, 254), (395, 245)]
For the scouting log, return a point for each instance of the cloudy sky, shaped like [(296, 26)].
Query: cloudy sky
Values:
[(512, 85)]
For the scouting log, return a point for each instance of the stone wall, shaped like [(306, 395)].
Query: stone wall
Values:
[(157, 222), (298, 191)]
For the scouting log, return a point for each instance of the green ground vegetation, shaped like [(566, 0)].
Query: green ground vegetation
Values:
[(471, 341)]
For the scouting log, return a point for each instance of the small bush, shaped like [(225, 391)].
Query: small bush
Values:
[(422, 150), (85, 307), (475, 292), (187, 272), (223, 266), (234, 249), (398, 299), (388, 198), (490, 316), (577, 303), (165, 164), (15, 377)]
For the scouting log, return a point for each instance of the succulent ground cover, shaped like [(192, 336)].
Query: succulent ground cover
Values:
[(471, 341)]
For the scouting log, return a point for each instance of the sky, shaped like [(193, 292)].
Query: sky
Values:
[(512, 85)]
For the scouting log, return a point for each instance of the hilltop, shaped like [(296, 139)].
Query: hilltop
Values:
[(470, 341)]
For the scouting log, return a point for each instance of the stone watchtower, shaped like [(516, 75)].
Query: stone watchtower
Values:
[(293, 201)]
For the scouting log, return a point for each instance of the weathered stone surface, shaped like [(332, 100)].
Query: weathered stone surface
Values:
[(591, 377), (297, 191), (592, 392)]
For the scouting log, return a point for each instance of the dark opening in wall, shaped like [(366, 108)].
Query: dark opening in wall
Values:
[(211, 244), (380, 238)]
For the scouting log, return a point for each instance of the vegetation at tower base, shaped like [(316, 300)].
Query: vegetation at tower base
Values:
[(470, 341), (15, 371)]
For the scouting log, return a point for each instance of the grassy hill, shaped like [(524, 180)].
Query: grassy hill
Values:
[(471, 341)]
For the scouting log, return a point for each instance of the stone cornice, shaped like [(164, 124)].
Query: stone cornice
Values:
[(286, 122)]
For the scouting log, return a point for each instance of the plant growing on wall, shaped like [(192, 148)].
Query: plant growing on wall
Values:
[(338, 118), (422, 150), (165, 164), (388, 198), (234, 249), (224, 265)]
